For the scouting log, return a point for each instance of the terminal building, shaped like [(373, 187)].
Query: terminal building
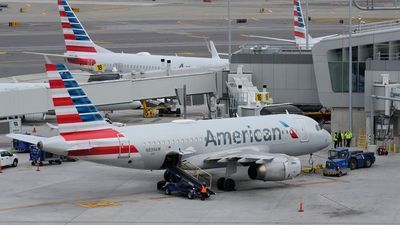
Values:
[(319, 78)]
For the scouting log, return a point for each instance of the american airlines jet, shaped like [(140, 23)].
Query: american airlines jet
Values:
[(83, 52), (299, 32), (267, 145)]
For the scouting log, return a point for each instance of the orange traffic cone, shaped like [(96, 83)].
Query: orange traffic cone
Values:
[(34, 129), (301, 206)]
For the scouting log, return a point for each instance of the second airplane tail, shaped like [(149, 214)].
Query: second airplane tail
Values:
[(299, 24), (77, 40)]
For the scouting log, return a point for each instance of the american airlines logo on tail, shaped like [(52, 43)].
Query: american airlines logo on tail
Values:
[(299, 26), (75, 36), (79, 122)]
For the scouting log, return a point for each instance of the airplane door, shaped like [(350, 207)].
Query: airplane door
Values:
[(124, 147), (302, 130)]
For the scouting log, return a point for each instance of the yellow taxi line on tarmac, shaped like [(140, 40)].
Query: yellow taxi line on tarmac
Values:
[(255, 19), (325, 181), (3, 53), (184, 53), (198, 36), (73, 201)]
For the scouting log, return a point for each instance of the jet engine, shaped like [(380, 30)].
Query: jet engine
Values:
[(279, 168), (143, 53)]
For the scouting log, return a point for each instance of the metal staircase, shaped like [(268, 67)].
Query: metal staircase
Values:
[(192, 175)]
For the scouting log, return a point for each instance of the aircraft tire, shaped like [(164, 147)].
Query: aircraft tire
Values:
[(353, 164), (229, 184), (220, 183), (368, 162), (160, 184), (167, 176)]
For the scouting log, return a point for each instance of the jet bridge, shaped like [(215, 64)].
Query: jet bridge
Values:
[(17, 99)]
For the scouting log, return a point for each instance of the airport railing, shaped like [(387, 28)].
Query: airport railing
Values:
[(368, 27)]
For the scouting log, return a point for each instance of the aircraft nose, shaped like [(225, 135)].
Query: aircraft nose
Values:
[(326, 137)]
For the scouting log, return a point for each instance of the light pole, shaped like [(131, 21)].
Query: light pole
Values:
[(350, 68), (307, 41), (229, 32)]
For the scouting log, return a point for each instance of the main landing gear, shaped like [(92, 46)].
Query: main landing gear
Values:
[(227, 184)]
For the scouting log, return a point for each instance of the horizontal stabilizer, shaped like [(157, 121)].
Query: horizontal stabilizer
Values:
[(49, 54), (26, 138), (269, 38)]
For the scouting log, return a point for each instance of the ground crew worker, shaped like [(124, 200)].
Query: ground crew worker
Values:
[(348, 138), (335, 139), (203, 191), (340, 138)]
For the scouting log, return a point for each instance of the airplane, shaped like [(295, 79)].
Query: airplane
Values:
[(86, 55), (267, 145), (299, 32)]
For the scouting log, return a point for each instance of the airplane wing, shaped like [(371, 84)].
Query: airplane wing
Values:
[(26, 138), (243, 155), (269, 38)]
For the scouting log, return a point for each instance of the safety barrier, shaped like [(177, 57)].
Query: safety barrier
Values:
[(391, 146)]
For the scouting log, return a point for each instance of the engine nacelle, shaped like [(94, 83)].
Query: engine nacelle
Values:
[(280, 168), (143, 53)]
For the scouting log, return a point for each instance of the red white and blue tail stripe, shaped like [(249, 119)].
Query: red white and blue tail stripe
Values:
[(79, 122), (299, 24), (75, 36)]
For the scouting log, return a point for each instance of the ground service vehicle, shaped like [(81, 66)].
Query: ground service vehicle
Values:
[(336, 167), (8, 159), (179, 181), (355, 159), (35, 154)]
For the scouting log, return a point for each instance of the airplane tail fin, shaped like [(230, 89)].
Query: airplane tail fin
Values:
[(299, 24), (75, 36), (213, 50), (75, 113)]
